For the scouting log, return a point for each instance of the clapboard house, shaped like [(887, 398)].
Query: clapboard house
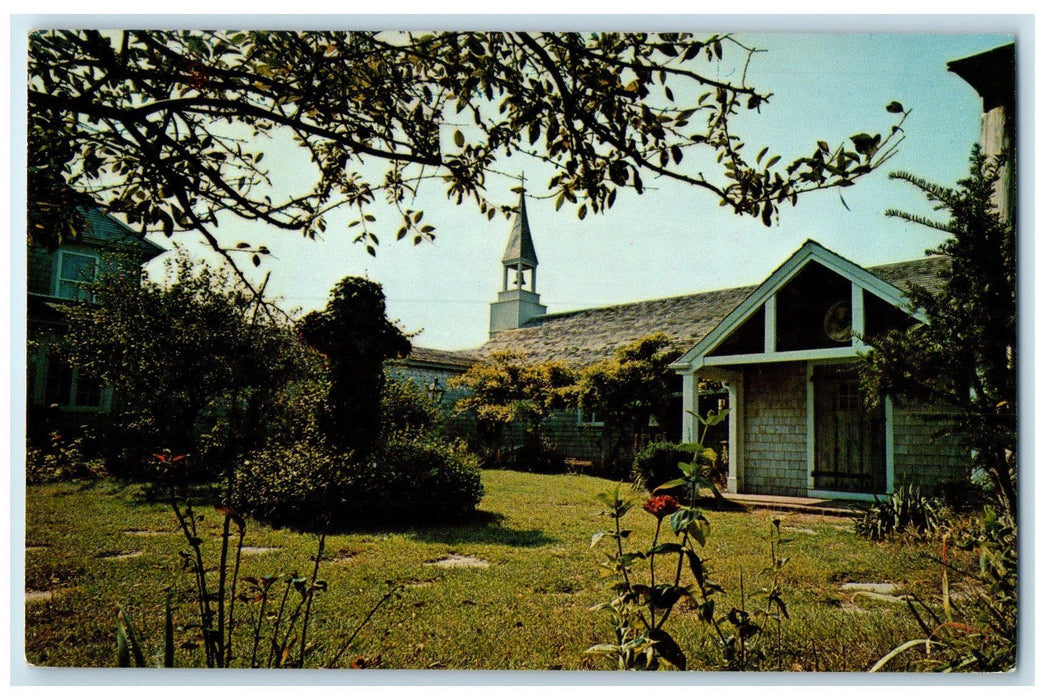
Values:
[(54, 281)]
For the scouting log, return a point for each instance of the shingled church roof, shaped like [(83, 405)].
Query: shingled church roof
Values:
[(589, 335)]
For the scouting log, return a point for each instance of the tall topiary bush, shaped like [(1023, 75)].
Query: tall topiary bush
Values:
[(356, 338)]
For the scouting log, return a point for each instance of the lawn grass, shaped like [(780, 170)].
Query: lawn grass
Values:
[(527, 609)]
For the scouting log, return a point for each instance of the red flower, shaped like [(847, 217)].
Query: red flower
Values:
[(661, 506)]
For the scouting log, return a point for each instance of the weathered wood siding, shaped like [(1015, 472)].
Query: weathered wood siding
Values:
[(38, 272), (567, 436), (774, 430), (920, 457), (422, 377)]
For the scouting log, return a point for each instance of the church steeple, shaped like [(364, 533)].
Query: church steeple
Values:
[(515, 303), (519, 255)]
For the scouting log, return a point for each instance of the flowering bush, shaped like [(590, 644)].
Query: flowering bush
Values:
[(61, 459), (639, 610)]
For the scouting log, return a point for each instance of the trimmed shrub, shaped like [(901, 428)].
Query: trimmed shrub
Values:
[(415, 478), (658, 462), (307, 486), (299, 485)]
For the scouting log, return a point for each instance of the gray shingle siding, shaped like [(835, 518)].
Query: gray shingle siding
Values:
[(775, 430), (922, 457)]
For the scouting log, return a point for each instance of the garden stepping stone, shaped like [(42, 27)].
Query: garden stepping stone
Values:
[(457, 561), (119, 556), (417, 583), (259, 550), (884, 592), (43, 596), (799, 530), (882, 588)]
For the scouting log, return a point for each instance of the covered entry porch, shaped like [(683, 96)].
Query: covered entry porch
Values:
[(799, 429), (788, 354)]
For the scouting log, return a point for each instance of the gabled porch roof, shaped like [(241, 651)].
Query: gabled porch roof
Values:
[(811, 251)]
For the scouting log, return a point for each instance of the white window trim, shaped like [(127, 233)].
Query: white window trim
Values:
[(57, 280), (103, 405), (40, 392), (593, 423)]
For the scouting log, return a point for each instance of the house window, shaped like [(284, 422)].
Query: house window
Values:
[(75, 272), (68, 387), (588, 417)]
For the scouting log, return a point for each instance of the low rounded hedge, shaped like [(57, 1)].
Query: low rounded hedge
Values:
[(416, 478), (295, 485), (306, 485), (658, 463)]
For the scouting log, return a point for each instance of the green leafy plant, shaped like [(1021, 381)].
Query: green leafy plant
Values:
[(407, 407), (639, 610), (281, 643), (642, 605), (412, 477), (966, 356), (905, 510), (61, 459), (658, 462), (355, 336), (125, 120), (977, 632), (195, 362), (627, 392), (415, 478), (507, 389), (301, 484)]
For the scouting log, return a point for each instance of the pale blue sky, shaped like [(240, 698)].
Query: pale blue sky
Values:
[(676, 239)]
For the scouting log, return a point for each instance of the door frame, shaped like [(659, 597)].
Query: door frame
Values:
[(811, 443)]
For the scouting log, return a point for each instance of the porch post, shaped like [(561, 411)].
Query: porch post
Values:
[(735, 477), (690, 425)]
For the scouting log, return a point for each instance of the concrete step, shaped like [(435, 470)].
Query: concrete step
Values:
[(819, 506)]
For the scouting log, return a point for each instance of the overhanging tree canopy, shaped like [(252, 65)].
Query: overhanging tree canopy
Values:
[(169, 128)]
